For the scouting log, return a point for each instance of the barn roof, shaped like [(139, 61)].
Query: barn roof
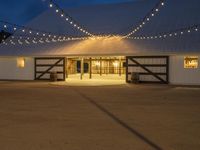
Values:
[(116, 19)]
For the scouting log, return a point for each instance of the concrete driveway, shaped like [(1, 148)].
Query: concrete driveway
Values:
[(42, 116)]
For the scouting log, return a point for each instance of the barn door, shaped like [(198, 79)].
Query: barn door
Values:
[(44, 66), (151, 69)]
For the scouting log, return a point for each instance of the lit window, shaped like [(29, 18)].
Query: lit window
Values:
[(191, 62), (20, 62)]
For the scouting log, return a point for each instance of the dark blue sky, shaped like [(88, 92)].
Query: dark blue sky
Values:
[(21, 11)]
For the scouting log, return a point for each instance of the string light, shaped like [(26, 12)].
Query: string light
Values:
[(174, 33), (68, 18), (36, 40), (146, 18), (24, 29)]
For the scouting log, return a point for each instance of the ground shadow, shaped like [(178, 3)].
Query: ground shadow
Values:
[(123, 124)]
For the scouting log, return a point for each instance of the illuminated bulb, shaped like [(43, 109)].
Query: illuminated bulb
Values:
[(147, 19), (75, 25), (162, 3), (181, 32), (188, 31), (175, 34), (67, 19), (140, 26), (23, 30), (57, 10), (14, 29), (5, 26), (50, 5), (143, 23), (170, 34), (62, 15), (71, 22), (196, 29), (43, 34), (37, 33), (157, 9), (30, 32)]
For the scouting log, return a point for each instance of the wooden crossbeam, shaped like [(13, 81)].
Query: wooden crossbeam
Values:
[(149, 71), (47, 71)]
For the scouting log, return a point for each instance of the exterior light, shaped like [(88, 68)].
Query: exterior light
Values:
[(20, 62)]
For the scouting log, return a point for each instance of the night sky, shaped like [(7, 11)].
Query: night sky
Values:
[(21, 11)]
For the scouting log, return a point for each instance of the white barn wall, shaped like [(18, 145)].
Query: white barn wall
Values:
[(10, 71), (180, 75)]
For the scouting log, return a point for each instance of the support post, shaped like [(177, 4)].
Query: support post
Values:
[(100, 66), (127, 71), (82, 68), (66, 67), (120, 66), (90, 66)]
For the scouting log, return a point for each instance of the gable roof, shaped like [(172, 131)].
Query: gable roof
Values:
[(117, 19)]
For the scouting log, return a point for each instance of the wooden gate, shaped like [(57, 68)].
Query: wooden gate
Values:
[(45, 65), (151, 69)]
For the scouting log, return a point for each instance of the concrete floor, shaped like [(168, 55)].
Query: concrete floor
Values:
[(42, 116)]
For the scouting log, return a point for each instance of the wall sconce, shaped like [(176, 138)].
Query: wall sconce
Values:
[(20, 62)]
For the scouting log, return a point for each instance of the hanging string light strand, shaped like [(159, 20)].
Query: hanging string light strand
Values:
[(21, 39), (68, 18), (147, 18), (26, 30), (173, 33)]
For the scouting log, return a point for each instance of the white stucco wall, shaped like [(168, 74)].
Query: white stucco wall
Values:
[(177, 73), (180, 75), (10, 71)]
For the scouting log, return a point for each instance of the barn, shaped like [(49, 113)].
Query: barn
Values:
[(158, 40)]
